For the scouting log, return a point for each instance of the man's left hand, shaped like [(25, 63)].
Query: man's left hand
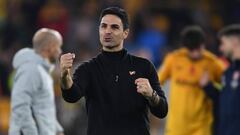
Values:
[(204, 80), (144, 87)]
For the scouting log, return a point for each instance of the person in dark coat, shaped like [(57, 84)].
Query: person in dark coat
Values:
[(119, 88), (227, 95)]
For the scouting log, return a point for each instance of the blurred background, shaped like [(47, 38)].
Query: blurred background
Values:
[(155, 28)]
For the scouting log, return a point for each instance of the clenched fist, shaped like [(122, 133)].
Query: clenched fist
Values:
[(144, 87), (66, 63)]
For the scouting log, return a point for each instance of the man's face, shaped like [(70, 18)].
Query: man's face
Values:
[(196, 54), (227, 45), (111, 33), (55, 51)]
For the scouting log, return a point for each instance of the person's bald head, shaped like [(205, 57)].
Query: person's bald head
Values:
[(45, 37), (47, 42)]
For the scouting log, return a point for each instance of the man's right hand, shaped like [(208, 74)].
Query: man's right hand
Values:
[(66, 63)]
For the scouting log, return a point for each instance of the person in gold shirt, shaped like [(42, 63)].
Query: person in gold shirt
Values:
[(190, 108)]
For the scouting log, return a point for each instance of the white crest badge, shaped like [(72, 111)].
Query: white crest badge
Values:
[(235, 78), (132, 72)]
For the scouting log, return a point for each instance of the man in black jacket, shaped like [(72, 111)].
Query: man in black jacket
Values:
[(119, 88), (227, 95)]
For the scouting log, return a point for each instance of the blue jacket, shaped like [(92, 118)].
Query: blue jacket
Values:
[(227, 101)]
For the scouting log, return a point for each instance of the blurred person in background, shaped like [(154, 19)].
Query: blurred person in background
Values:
[(227, 95), (54, 14), (153, 38), (190, 108), (119, 88), (32, 99)]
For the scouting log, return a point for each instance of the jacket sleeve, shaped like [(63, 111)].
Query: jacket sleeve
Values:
[(59, 127), (164, 71), (79, 87), (213, 88), (161, 109), (26, 84)]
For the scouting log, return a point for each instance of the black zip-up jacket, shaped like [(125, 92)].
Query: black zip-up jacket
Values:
[(227, 101), (114, 106)]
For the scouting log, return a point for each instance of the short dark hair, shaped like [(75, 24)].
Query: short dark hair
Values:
[(192, 37), (231, 30), (121, 13)]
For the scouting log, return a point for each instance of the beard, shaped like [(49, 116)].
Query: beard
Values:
[(228, 55), (110, 46), (53, 60)]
